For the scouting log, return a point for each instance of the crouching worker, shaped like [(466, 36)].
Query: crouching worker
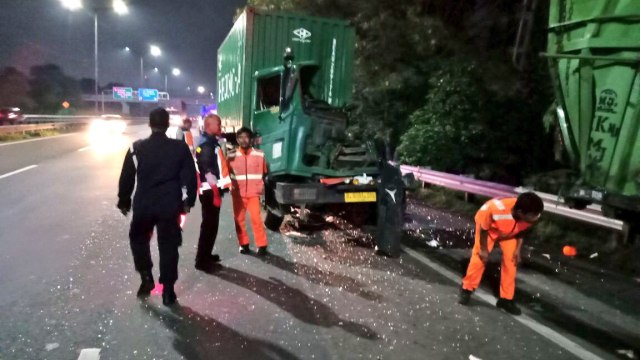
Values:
[(501, 221)]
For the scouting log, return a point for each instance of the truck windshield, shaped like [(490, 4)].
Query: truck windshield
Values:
[(311, 89)]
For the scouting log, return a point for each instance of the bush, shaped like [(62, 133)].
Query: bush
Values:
[(446, 132)]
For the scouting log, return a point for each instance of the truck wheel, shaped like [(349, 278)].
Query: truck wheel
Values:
[(273, 221)]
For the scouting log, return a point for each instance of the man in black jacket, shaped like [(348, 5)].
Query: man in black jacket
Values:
[(214, 177), (166, 188)]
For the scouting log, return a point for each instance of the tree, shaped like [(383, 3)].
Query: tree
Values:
[(88, 86), (14, 89), (50, 87), (447, 132)]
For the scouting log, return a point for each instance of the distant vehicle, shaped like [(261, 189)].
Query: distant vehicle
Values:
[(108, 124), (10, 116), (175, 116)]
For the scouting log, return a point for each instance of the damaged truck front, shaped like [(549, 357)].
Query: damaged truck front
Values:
[(289, 78)]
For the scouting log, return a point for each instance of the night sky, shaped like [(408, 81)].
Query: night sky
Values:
[(34, 32)]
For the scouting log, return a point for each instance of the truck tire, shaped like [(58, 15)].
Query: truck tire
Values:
[(273, 221)]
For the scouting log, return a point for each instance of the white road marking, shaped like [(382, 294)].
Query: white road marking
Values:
[(89, 354), (18, 171), (543, 330), (85, 148), (38, 139)]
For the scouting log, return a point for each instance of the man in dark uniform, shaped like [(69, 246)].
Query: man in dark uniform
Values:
[(166, 188), (214, 176)]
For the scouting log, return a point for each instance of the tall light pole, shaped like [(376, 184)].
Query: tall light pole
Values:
[(155, 51), (119, 7), (175, 72)]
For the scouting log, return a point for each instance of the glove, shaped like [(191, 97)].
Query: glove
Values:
[(217, 199)]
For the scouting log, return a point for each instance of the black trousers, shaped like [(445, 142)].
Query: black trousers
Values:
[(208, 227), (169, 239)]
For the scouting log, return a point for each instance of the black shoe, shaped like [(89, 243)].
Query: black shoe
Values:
[(262, 251), (204, 265), (508, 306), (146, 285), (214, 258), (244, 249), (169, 296), (464, 297)]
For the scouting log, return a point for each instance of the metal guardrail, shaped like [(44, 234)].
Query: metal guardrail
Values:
[(552, 203), (12, 129)]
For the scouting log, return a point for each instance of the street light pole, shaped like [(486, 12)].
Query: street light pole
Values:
[(141, 71), (95, 59)]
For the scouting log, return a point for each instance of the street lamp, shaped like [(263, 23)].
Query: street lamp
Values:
[(72, 5), (155, 50), (201, 89), (119, 7), (175, 72)]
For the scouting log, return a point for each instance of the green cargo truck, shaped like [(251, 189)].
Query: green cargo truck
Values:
[(288, 78), (594, 56)]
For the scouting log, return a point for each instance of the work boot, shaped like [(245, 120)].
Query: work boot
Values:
[(207, 263), (508, 306), (464, 297), (146, 285), (262, 251), (169, 296), (244, 249)]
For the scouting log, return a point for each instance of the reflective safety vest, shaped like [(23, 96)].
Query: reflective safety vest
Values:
[(496, 217), (188, 138), (247, 171)]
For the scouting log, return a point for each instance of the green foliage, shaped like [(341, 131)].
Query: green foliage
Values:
[(50, 87), (14, 88), (446, 133)]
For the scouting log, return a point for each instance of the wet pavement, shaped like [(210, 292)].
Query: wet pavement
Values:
[(69, 285)]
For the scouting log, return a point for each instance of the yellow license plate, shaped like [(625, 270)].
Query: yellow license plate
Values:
[(360, 197)]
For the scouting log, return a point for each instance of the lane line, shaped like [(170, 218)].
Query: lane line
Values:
[(38, 139), (85, 148), (18, 171), (89, 354), (527, 321)]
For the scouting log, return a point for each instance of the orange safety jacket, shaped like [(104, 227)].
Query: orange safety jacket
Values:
[(188, 138), (247, 170), (495, 216)]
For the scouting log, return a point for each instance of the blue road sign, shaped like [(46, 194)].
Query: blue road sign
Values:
[(150, 95)]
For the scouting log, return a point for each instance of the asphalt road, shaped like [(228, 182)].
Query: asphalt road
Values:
[(67, 284)]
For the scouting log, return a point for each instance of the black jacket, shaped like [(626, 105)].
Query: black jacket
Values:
[(163, 168), (208, 157)]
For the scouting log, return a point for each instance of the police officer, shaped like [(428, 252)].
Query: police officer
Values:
[(166, 188), (214, 176)]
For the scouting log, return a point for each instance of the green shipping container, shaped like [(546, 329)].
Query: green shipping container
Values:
[(306, 137), (257, 42), (594, 54)]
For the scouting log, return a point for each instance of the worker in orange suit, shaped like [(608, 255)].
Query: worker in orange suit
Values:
[(501, 221), (247, 167), (188, 136)]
